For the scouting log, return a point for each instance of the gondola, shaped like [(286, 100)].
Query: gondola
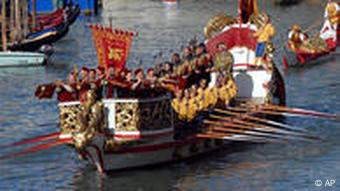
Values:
[(34, 41), (50, 35)]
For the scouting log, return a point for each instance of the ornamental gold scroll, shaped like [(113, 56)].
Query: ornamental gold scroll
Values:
[(143, 116)]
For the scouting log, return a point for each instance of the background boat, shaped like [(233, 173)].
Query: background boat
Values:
[(22, 59), (51, 34)]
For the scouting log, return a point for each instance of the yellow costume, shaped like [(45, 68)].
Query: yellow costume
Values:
[(214, 96), (208, 96), (265, 33), (183, 109), (192, 109), (223, 94), (232, 89), (176, 105), (200, 99), (332, 13)]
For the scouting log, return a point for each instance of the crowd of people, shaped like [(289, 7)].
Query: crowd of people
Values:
[(178, 74), (191, 101), (185, 77)]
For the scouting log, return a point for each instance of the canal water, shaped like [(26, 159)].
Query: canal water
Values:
[(164, 29)]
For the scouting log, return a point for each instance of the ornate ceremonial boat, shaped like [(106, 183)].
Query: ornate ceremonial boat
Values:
[(300, 56), (138, 132)]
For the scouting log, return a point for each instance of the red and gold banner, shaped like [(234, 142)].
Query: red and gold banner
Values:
[(112, 46)]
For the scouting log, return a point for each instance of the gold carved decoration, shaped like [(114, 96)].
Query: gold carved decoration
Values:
[(217, 24), (143, 116)]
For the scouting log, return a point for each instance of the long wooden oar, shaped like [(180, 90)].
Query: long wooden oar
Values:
[(249, 130), (282, 110), (36, 148), (261, 120), (258, 135), (301, 111), (231, 137), (264, 128), (50, 136)]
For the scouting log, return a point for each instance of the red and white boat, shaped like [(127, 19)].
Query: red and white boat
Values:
[(142, 132), (329, 33)]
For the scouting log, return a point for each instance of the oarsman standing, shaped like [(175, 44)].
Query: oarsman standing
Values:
[(159, 69), (139, 83), (168, 70), (224, 60), (100, 81), (151, 79), (93, 79), (332, 19), (176, 59), (264, 36), (67, 91), (332, 13), (109, 90), (187, 54)]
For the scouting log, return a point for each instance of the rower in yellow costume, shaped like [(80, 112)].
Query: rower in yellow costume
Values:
[(231, 86), (223, 93), (214, 95), (184, 106), (200, 95), (176, 102), (192, 106)]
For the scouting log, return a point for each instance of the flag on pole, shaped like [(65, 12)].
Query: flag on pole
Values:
[(112, 46)]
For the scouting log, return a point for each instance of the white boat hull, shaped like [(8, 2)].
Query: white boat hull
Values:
[(148, 154), (21, 59)]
